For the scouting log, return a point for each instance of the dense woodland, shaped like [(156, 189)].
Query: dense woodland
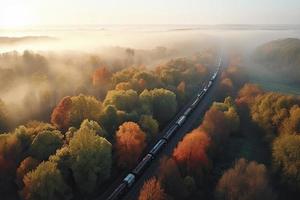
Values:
[(247, 147), (85, 119), (72, 123)]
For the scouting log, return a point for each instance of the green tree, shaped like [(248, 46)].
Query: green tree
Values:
[(126, 100), (162, 102), (91, 159), (45, 182), (45, 144), (149, 126)]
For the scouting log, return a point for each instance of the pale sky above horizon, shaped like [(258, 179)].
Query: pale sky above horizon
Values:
[(75, 12)]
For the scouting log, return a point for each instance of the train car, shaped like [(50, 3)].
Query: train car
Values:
[(188, 111), (194, 104), (159, 145), (129, 179), (118, 192), (181, 120), (170, 132), (201, 94), (142, 165), (209, 84)]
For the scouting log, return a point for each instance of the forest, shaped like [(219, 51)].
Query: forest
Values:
[(81, 120), (246, 147), (72, 122)]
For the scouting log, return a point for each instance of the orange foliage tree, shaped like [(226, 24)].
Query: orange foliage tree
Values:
[(101, 76), (191, 152), (247, 94), (60, 116), (152, 190), (130, 142)]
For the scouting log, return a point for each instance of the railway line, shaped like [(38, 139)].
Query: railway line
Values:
[(132, 177)]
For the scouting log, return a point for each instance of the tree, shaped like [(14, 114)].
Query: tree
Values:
[(286, 159), (152, 190), (149, 126), (124, 86), (101, 76), (270, 110), (171, 180), (45, 182), (71, 111), (191, 152), (91, 159), (214, 124), (126, 100), (130, 143), (45, 144), (92, 125), (291, 125), (161, 102), (247, 94), (246, 180), (27, 165), (4, 118), (109, 119)]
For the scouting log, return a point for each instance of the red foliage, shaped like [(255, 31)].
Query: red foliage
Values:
[(181, 87), (191, 152), (101, 76), (152, 190), (130, 142), (60, 116)]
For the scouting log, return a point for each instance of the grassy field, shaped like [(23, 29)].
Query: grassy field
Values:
[(273, 83)]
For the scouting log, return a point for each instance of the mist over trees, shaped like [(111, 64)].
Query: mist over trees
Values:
[(280, 56), (80, 118)]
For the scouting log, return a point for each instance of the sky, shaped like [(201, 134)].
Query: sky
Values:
[(14, 13)]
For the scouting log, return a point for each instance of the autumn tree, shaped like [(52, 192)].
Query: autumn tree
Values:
[(101, 76), (91, 159), (4, 118), (221, 120), (291, 125), (286, 159), (246, 180), (191, 152), (152, 190), (27, 165), (130, 143), (270, 110), (71, 111), (13, 149), (124, 86), (247, 94), (171, 180), (45, 144), (45, 182)]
